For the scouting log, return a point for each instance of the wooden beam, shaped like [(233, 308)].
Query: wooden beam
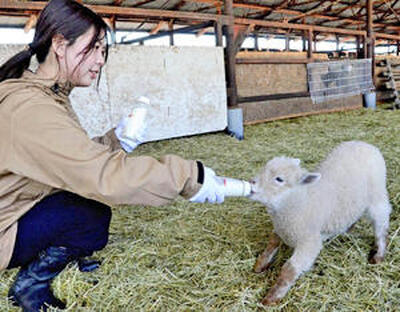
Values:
[(365, 46), (358, 47), (230, 56), (321, 111), (157, 28), (110, 21), (126, 12), (287, 42), (265, 8), (276, 60), (370, 36), (270, 97), (31, 22), (135, 12), (322, 29), (171, 32), (369, 8), (161, 34), (241, 35), (264, 14), (201, 32), (309, 12), (309, 44), (25, 8), (256, 45), (218, 34), (386, 36), (297, 14)]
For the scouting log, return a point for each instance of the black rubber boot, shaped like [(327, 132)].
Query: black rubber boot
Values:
[(31, 289), (88, 264)]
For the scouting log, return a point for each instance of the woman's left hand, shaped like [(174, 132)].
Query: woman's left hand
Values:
[(128, 143)]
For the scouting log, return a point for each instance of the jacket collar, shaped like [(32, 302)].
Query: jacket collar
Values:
[(51, 86)]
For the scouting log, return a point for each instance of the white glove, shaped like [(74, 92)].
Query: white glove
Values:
[(128, 144), (212, 190)]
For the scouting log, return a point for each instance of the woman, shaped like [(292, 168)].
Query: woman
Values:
[(56, 185)]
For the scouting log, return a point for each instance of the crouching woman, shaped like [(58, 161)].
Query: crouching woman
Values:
[(56, 184)]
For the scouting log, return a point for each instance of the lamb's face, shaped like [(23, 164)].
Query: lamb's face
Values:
[(278, 177)]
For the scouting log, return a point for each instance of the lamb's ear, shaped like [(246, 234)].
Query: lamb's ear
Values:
[(310, 177)]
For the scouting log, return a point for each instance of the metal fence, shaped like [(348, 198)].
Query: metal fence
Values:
[(339, 79)]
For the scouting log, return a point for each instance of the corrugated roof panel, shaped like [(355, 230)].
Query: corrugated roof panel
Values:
[(294, 11)]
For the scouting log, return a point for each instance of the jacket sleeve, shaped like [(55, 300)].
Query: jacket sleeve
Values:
[(50, 147)]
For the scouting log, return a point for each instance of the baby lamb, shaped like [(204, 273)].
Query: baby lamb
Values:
[(307, 208)]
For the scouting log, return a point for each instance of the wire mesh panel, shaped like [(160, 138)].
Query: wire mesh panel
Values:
[(339, 79)]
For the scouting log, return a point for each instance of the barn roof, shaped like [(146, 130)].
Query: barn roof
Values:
[(296, 16)]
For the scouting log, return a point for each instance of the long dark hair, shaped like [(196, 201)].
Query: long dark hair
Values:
[(59, 17)]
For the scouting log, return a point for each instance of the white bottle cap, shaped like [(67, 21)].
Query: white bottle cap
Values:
[(144, 100)]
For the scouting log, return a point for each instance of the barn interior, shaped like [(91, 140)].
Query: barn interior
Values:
[(265, 83), (183, 257)]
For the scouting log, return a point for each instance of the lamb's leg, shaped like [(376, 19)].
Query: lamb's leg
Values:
[(379, 215), (265, 259), (301, 261)]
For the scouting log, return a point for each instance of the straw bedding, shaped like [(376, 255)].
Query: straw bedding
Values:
[(199, 257)]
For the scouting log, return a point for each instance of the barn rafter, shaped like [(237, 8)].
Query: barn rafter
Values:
[(334, 13)]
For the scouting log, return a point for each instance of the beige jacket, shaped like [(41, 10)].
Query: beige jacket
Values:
[(43, 149)]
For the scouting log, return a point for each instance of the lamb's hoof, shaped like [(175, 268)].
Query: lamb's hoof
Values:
[(374, 258), (259, 268), (270, 300)]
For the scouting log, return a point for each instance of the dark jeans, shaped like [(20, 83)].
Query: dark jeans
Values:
[(62, 219)]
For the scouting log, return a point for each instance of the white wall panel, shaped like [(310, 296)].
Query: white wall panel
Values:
[(186, 87)]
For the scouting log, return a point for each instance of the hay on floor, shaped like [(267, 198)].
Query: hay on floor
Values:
[(199, 257)]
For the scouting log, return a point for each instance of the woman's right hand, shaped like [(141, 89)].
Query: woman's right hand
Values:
[(211, 191)]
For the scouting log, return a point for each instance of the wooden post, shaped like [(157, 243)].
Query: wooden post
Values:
[(30, 23), (314, 49), (256, 46), (310, 42), (230, 55), (171, 35), (365, 48), (218, 34), (397, 48), (337, 43), (370, 46), (287, 41), (358, 47), (370, 38)]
